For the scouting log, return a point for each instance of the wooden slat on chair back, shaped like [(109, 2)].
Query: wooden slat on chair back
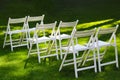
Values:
[(35, 18), (84, 33), (17, 20), (108, 30), (45, 26), (68, 24)]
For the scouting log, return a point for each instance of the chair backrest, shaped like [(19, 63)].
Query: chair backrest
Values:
[(31, 23), (44, 28), (86, 34), (66, 24), (82, 34), (106, 31), (16, 21), (35, 18)]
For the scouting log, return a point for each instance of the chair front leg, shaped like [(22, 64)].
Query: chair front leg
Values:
[(75, 65), (38, 52), (116, 57), (99, 64), (94, 58), (11, 42)]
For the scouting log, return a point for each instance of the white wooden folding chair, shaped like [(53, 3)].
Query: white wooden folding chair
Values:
[(33, 20), (76, 47), (39, 39), (63, 35), (101, 43), (13, 29)]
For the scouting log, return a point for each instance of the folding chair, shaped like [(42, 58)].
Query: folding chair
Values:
[(62, 35), (76, 47), (13, 29), (33, 20), (39, 39), (104, 44)]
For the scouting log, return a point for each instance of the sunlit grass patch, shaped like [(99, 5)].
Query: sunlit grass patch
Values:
[(117, 22), (107, 26), (90, 24)]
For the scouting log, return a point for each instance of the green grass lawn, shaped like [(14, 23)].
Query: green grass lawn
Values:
[(90, 13)]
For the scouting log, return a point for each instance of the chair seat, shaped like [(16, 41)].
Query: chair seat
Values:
[(52, 37), (16, 31), (102, 43), (32, 29), (77, 48), (19, 31), (63, 36), (40, 40)]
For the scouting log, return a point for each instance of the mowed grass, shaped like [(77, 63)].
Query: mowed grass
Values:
[(15, 65)]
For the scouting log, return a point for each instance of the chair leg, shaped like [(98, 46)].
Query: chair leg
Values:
[(60, 49), (63, 61), (28, 44), (116, 57), (21, 37), (29, 50), (11, 43), (38, 53), (27, 41), (85, 52), (5, 40), (56, 50), (75, 65), (94, 57), (99, 64)]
